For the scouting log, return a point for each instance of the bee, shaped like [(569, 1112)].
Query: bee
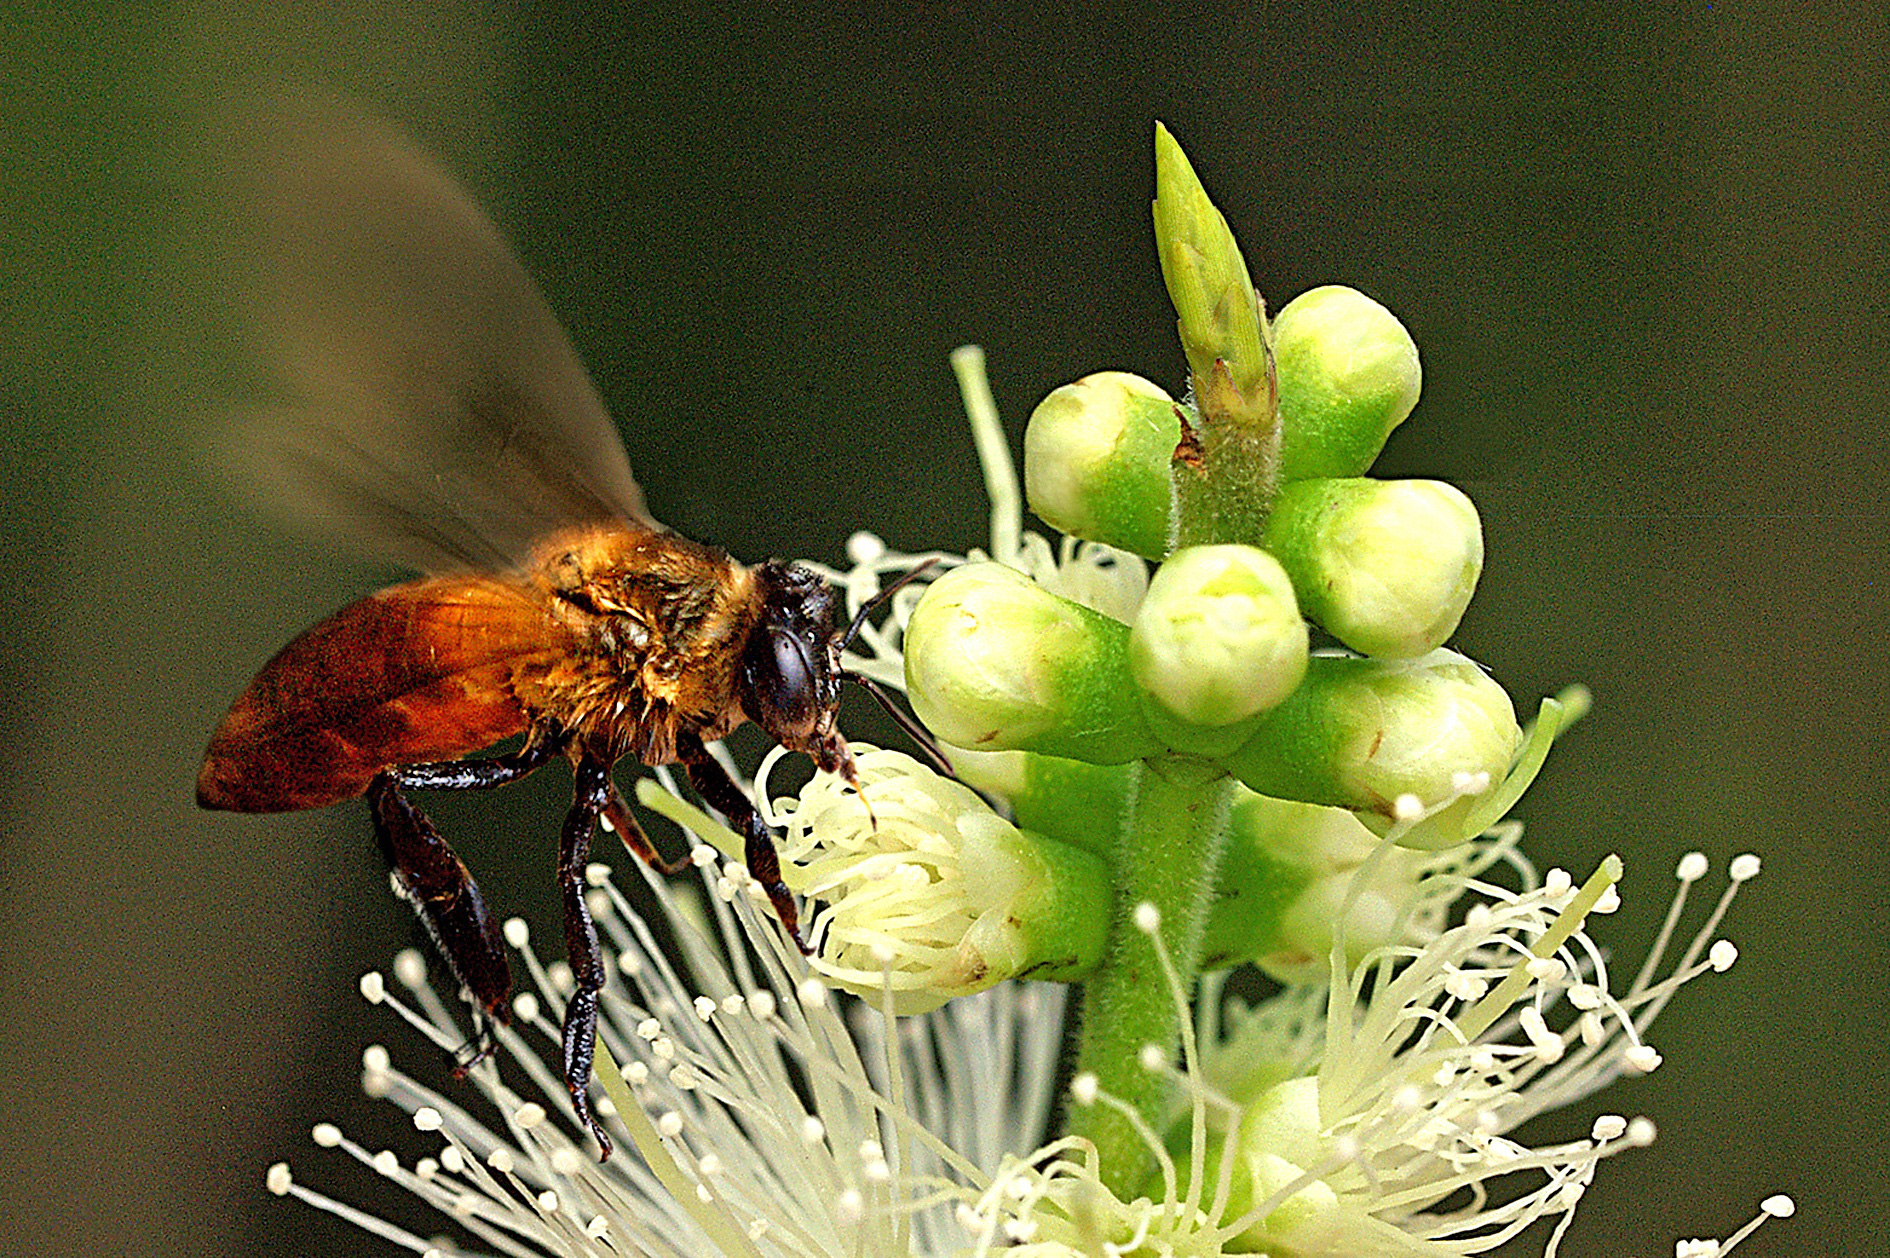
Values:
[(436, 409)]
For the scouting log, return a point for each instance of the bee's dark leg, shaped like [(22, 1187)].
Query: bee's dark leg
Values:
[(591, 797), (443, 892), (438, 884), (545, 741), (709, 777), (620, 821)]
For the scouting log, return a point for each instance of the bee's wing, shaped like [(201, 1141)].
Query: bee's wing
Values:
[(434, 408)]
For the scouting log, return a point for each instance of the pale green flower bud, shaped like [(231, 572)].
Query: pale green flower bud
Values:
[(1290, 875), (993, 662), (1096, 461), (1280, 1139), (1389, 739), (932, 895), (1219, 637), (1387, 567), (1348, 375)]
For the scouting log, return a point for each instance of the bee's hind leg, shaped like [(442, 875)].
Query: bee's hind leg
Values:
[(442, 891)]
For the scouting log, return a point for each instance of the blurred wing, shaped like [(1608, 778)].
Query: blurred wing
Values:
[(436, 410)]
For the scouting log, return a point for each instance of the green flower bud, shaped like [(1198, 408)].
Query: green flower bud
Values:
[(1219, 637), (1071, 801), (1280, 1138), (1387, 567), (1391, 740), (1096, 459), (993, 662), (932, 895), (1348, 375), (1291, 870)]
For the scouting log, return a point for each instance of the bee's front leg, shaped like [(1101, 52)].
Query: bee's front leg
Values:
[(708, 776), (591, 796)]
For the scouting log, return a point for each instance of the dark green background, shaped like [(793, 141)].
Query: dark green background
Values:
[(1643, 253)]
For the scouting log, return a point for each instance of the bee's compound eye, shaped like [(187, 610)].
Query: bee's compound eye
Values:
[(783, 688)]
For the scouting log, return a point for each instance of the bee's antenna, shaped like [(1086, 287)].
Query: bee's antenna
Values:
[(915, 731), (866, 608)]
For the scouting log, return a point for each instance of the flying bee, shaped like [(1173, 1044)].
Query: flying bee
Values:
[(436, 409)]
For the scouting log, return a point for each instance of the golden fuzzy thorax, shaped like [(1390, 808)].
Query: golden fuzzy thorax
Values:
[(656, 627)]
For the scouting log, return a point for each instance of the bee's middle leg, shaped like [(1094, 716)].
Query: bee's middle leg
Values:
[(592, 796)]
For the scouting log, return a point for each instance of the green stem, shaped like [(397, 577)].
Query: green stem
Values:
[(994, 452), (1166, 856)]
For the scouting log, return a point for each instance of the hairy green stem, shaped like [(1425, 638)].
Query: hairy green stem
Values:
[(1166, 856)]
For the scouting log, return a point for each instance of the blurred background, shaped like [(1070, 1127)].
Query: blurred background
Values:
[(1642, 251)]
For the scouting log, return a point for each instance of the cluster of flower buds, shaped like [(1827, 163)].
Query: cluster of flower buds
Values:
[(1216, 661), (1208, 697)]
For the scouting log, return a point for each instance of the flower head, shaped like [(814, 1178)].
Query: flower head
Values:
[(760, 1114), (934, 895)]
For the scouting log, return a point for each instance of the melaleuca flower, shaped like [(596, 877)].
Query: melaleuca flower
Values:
[(933, 895), (756, 1113), (1374, 1118)]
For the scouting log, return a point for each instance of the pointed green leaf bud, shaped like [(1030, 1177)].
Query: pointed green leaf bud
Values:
[(1219, 637), (1387, 567), (1348, 375), (1096, 461), (1389, 739), (994, 661), (1223, 328), (932, 895)]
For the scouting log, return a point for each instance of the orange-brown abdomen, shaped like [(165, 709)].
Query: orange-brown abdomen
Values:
[(416, 673)]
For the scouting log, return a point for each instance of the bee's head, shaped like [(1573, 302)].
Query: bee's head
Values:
[(791, 669)]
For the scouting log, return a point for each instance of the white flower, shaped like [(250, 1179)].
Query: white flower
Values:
[(1383, 1126), (933, 895), (772, 1121), (757, 1112)]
